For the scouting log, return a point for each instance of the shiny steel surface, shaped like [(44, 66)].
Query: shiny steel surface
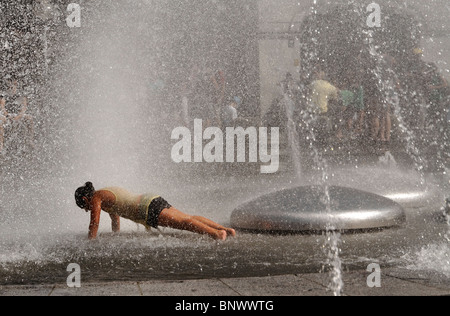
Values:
[(307, 208)]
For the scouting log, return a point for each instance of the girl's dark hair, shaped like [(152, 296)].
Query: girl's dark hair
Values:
[(87, 191)]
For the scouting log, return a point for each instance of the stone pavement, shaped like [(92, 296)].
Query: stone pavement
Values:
[(394, 282)]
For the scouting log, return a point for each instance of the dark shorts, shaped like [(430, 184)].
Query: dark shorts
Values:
[(154, 211)]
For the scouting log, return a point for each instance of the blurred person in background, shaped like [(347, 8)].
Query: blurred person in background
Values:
[(230, 113), (17, 126)]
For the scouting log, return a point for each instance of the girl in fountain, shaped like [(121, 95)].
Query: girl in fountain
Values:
[(148, 209)]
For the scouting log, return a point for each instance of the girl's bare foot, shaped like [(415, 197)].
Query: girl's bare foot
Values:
[(231, 232), (221, 235)]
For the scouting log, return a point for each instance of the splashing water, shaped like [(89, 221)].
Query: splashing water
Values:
[(293, 137), (388, 160), (333, 238), (386, 85), (111, 82), (333, 242), (435, 256), (447, 218)]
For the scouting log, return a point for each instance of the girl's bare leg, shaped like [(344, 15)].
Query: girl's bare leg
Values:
[(173, 218)]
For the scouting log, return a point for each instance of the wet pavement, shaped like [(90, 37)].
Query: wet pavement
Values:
[(393, 282), (36, 252)]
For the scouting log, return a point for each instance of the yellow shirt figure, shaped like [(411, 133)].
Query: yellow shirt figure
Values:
[(322, 92)]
